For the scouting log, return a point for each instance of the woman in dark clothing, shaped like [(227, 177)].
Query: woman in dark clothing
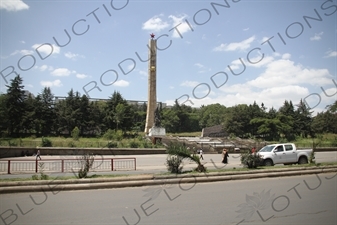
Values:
[(224, 156)]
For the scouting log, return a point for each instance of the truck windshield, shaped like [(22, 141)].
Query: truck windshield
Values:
[(267, 148)]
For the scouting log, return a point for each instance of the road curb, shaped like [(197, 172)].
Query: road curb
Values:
[(55, 186)]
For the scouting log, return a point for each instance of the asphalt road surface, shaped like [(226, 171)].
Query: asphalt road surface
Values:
[(309, 199)]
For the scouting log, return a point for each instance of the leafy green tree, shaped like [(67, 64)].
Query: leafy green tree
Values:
[(333, 107), (15, 106), (139, 116), (325, 122), (270, 127), (29, 117), (303, 120), (211, 115), (118, 113), (45, 112), (69, 113), (180, 118), (237, 121), (170, 120), (75, 134), (287, 116), (254, 111), (3, 115), (95, 118)]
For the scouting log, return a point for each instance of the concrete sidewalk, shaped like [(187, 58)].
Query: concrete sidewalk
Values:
[(145, 164)]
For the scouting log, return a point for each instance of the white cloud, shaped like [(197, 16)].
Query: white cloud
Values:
[(284, 72), (61, 72), (330, 53), (22, 52), (155, 24), (286, 56), (199, 65), (121, 83), (143, 72), (182, 26), (202, 68), (316, 37), (282, 79), (44, 68), (245, 29), (81, 76), (243, 45), (55, 83), (257, 62), (13, 5), (73, 56), (46, 48), (189, 83)]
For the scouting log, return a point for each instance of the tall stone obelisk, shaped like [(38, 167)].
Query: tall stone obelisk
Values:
[(152, 85)]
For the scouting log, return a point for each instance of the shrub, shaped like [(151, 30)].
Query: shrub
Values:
[(14, 143), (312, 158), (86, 162), (46, 142), (134, 144), (75, 134), (146, 144), (71, 144), (111, 144), (111, 134), (180, 150), (173, 164), (43, 176), (250, 160)]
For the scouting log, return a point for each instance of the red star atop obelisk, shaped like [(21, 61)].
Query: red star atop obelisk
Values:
[(152, 35)]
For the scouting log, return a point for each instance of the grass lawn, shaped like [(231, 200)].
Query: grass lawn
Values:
[(326, 140), (81, 143)]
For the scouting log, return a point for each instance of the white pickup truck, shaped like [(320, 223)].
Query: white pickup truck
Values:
[(285, 153)]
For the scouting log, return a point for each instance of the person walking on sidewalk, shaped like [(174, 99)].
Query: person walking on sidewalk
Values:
[(225, 156), (38, 154), (200, 154)]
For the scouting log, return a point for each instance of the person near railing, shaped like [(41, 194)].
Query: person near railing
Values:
[(38, 153)]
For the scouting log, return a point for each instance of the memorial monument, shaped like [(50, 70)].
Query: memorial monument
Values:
[(152, 124)]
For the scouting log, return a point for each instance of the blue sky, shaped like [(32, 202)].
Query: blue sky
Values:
[(227, 52)]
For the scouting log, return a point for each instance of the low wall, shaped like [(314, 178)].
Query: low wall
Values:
[(29, 151)]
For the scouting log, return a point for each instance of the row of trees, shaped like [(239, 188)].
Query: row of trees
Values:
[(24, 115)]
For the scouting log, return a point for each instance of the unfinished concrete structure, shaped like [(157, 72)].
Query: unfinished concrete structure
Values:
[(152, 85)]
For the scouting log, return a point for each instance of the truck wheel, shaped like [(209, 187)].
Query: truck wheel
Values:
[(303, 160), (268, 162)]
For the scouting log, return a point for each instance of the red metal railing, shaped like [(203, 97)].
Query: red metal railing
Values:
[(65, 165)]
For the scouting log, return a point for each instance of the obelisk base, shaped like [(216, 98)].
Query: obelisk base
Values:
[(157, 132)]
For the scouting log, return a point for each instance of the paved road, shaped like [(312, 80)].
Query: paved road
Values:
[(309, 200), (148, 164)]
